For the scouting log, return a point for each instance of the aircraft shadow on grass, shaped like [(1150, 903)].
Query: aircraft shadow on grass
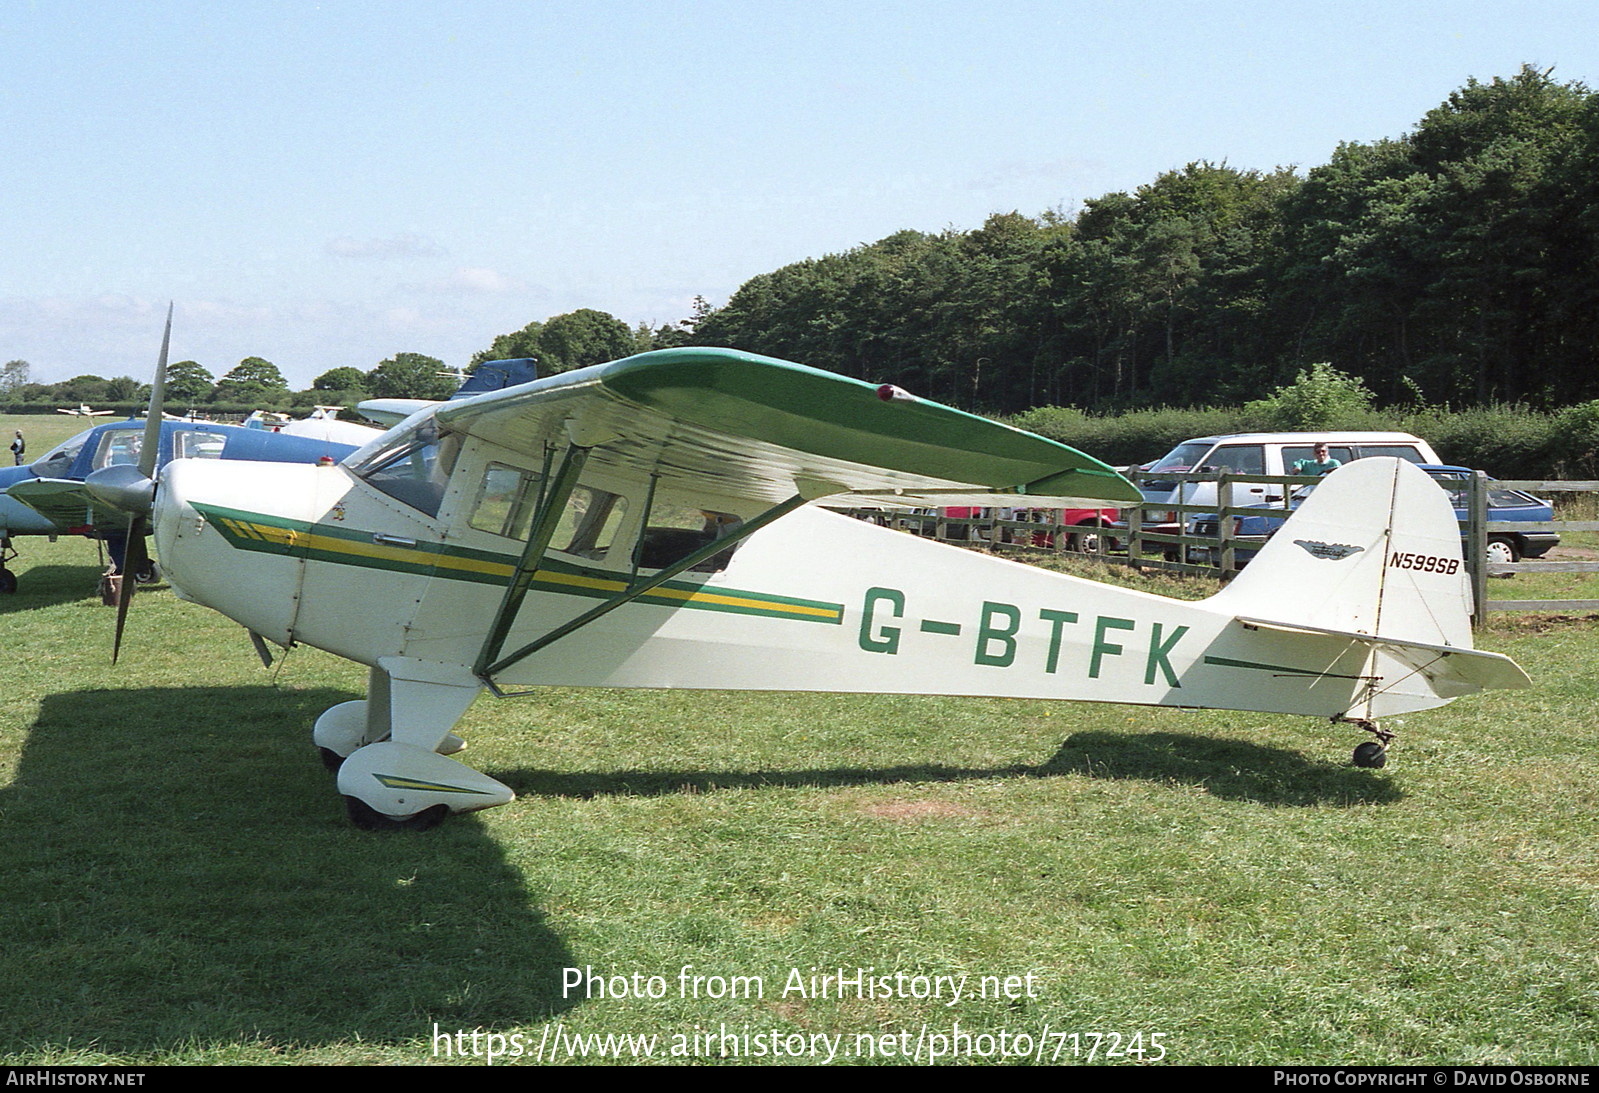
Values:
[(1226, 768), (50, 585), (175, 870)]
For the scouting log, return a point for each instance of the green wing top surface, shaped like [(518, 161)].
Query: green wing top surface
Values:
[(754, 425)]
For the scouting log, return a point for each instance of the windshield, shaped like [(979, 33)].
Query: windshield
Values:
[(58, 460), (1182, 457), (414, 467)]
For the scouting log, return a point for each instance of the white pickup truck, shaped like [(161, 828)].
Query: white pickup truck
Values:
[(1256, 453)]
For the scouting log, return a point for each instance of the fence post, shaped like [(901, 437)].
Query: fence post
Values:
[(1135, 525), (1225, 521), (1477, 545)]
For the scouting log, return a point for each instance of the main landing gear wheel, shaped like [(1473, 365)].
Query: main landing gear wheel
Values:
[(331, 759), (367, 818), (1370, 754), (146, 573), (8, 581)]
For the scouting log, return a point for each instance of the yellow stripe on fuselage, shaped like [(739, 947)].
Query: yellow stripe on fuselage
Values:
[(310, 540)]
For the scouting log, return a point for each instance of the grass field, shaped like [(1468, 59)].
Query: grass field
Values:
[(178, 882), (42, 433)]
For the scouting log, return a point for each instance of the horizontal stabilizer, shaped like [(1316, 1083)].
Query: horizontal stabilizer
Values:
[(1469, 669)]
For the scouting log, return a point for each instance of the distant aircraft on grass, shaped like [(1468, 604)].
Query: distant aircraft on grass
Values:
[(48, 497)]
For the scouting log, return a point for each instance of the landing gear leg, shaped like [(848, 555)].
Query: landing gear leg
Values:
[(390, 748), (1372, 753), (8, 579)]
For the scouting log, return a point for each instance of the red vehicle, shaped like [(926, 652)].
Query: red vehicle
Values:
[(1086, 522)]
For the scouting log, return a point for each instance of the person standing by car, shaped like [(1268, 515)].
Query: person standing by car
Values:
[(1320, 462)]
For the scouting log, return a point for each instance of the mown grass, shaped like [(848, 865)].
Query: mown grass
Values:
[(42, 431), (178, 882)]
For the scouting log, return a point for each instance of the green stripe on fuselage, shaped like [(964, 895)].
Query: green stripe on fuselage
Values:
[(348, 546)]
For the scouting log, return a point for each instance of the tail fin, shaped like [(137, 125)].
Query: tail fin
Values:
[(1375, 549), (1374, 555)]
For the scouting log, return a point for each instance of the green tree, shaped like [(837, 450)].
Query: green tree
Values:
[(1460, 258), (85, 388), (343, 378), (517, 344), (13, 376), (1320, 398), (125, 389), (254, 380), (411, 375), (580, 338), (188, 382)]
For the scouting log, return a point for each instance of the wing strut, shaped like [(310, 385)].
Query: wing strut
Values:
[(491, 648), (545, 521)]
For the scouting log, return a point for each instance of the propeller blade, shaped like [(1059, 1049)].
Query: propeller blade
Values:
[(135, 556), (135, 553), (158, 396)]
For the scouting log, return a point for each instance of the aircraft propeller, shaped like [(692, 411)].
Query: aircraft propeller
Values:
[(132, 490)]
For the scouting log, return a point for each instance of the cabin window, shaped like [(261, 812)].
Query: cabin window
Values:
[(508, 497), (505, 501), (588, 526), (197, 444), (674, 531), (119, 446)]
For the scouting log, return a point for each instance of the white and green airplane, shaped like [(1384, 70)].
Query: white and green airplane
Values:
[(655, 522)]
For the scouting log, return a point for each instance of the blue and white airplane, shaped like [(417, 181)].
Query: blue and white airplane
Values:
[(47, 497)]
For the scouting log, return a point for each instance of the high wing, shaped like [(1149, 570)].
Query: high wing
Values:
[(742, 425)]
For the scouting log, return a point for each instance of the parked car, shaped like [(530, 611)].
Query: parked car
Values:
[(1503, 504), (1256, 453), (1085, 522)]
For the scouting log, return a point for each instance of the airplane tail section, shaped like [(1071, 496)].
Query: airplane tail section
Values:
[(1374, 555)]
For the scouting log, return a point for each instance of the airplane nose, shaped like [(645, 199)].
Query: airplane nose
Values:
[(122, 487), (212, 549)]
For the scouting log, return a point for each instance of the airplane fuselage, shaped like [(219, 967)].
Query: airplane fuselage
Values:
[(816, 602)]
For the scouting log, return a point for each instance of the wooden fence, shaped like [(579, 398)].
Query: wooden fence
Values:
[(1164, 536)]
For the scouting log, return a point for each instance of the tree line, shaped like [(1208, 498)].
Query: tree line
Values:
[(1457, 264), (573, 340)]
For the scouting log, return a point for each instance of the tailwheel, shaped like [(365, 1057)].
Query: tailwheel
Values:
[(367, 818), (1372, 753)]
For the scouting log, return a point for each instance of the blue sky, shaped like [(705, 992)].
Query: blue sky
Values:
[(327, 184)]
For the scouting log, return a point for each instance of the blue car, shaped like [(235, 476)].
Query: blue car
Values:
[(1503, 546)]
